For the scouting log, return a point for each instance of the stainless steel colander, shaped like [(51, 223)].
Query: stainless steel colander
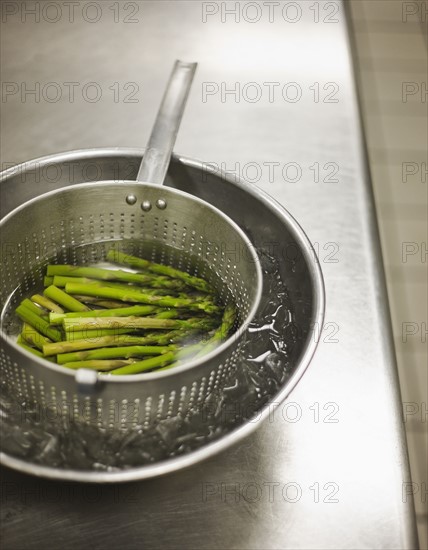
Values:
[(262, 217), (79, 225)]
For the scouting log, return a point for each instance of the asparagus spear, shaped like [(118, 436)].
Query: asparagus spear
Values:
[(120, 322), (64, 299), (48, 281), (157, 338), (94, 333), (56, 318), (46, 303), (31, 336), (38, 323), (35, 309), (61, 281), (113, 275), (146, 364), (113, 353), (140, 311), (229, 318), (167, 314), (139, 297), (108, 304), (139, 263), (185, 354), (100, 365), (135, 323), (165, 293)]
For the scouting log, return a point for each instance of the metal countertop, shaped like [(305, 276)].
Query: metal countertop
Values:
[(329, 469)]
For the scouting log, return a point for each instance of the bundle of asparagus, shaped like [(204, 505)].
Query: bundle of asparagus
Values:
[(121, 322)]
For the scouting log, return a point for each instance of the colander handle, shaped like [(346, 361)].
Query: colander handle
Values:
[(156, 158)]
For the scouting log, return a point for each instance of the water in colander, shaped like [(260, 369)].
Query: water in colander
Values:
[(94, 255), (265, 364)]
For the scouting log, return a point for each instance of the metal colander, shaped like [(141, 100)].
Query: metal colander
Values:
[(79, 225)]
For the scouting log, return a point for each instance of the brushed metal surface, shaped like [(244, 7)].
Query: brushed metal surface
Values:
[(241, 498)]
